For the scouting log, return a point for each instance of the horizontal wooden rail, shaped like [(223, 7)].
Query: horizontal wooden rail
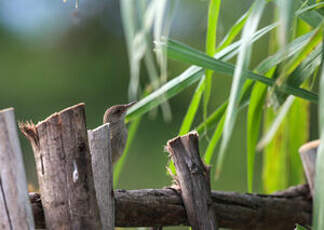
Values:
[(164, 207)]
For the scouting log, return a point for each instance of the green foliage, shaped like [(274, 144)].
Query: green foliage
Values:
[(299, 114), (318, 209), (186, 54), (213, 12), (239, 77), (192, 109), (257, 100), (299, 227), (282, 166), (131, 135), (275, 175), (278, 92)]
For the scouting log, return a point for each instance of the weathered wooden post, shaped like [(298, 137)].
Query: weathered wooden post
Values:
[(15, 208), (194, 181), (63, 161), (102, 168), (308, 153)]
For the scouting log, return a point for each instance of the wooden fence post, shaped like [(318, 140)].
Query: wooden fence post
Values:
[(63, 161), (193, 178), (308, 154), (102, 168), (15, 208)]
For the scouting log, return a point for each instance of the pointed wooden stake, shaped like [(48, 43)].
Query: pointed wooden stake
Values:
[(99, 142), (194, 181)]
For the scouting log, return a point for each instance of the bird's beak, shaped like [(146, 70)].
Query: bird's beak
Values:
[(130, 104)]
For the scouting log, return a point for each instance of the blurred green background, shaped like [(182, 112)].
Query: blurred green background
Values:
[(53, 56)]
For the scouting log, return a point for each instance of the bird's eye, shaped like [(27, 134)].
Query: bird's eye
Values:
[(118, 111)]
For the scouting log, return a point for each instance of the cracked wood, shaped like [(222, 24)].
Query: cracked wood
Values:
[(15, 209), (63, 163), (193, 180)]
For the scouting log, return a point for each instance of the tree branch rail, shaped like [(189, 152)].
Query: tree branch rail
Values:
[(164, 207)]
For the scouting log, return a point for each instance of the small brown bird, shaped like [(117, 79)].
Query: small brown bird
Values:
[(115, 116)]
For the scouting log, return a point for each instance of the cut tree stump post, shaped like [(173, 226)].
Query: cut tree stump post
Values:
[(308, 153), (63, 162), (15, 208), (194, 181), (102, 168)]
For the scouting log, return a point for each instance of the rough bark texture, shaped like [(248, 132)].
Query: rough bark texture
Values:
[(100, 149), (308, 155), (164, 207), (64, 170), (194, 182), (15, 209)]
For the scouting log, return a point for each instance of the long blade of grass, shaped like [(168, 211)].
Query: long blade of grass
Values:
[(213, 12), (308, 66), (215, 117), (158, 28), (234, 31), (187, 78), (131, 135), (286, 13), (317, 5), (298, 76), (312, 42), (318, 208), (187, 121), (168, 90), (275, 125), (257, 100), (162, 26), (214, 140), (275, 170), (231, 50), (311, 17), (299, 113), (146, 15), (128, 18), (192, 109), (305, 70), (293, 47), (297, 136), (218, 117), (253, 126), (211, 49), (282, 166), (187, 54)]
